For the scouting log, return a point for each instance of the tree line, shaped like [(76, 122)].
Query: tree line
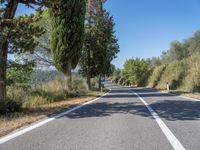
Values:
[(62, 34), (178, 66)]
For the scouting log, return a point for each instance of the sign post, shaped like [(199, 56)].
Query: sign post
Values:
[(167, 87)]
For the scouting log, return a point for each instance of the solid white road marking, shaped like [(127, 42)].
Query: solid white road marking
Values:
[(23, 131), (170, 136), (185, 97), (194, 99)]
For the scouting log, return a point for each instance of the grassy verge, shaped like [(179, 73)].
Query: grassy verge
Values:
[(15, 120)]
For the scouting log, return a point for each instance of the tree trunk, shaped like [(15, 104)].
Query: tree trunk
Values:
[(68, 78), (99, 82), (3, 60), (89, 69), (8, 14), (89, 81)]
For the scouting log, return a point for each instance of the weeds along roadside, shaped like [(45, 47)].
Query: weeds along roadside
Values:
[(24, 97)]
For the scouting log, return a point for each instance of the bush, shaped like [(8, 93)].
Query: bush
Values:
[(79, 85), (181, 75), (133, 70), (145, 77), (33, 101), (95, 84), (156, 76), (192, 79), (174, 74), (9, 106), (18, 93), (35, 95)]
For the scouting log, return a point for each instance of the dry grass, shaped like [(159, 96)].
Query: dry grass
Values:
[(13, 121)]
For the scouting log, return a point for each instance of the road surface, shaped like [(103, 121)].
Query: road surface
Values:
[(124, 119)]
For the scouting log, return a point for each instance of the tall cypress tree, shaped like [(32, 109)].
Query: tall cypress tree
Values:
[(67, 21)]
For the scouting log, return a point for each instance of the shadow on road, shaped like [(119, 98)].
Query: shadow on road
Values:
[(177, 110), (131, 95), (103, 109), (168, 109)]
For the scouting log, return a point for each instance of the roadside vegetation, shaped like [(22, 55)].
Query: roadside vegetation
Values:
[(179, 67), (52, 59), (31, 102)]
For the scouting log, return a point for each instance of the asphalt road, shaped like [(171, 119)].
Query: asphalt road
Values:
[(120, 121)]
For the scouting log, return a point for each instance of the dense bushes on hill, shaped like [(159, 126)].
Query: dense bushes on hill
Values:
[(179, 66), (181, 75)]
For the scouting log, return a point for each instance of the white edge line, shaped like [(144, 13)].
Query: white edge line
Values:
[(39, 124), (194, 99), (170, 136), (185, 97)]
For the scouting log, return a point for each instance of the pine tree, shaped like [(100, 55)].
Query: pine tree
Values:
[(94, 9), (100, 46), (17, 35)]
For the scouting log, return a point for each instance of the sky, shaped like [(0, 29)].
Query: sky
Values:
[(145, 28)]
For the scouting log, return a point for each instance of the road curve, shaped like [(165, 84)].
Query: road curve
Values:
[(119, 121)]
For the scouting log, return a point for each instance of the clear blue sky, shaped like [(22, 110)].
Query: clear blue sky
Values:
[(145, 28)]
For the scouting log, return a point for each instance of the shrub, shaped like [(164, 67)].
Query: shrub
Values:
[(174, 74), (192, 80), (145, 77), (95, 83), (156, 76), (9, 106), (18, 93), (133, 70), (35, 95), (79, 84), (35, 100)]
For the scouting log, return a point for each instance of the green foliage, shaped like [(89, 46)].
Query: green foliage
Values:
[(79, 85), (67, 31), (9, 106), (156, 76), (144, 78), (35, 100), (134, 69), (192, 80), (106, 44), (42, 52), (179, 66), (116, 76), (100, 47), (181, 75), (94, 84), (174, 74), (19, 73), (22, 33), (47, 92)]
